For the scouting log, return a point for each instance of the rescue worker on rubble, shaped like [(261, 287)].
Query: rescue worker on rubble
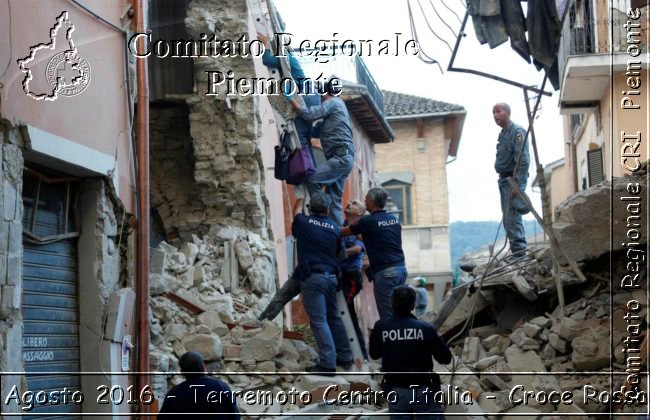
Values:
[(512, 162), (421, 297), (382, 235), (191, 396), (335, 133), (318, 242), (406, 344)]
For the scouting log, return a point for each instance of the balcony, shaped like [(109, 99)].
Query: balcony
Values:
[(590, 52), (362, 95), (348, 67)]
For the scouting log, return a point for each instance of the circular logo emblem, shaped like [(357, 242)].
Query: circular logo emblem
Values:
[(70, 70)]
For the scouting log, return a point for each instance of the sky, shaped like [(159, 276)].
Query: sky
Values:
[(472, 181)]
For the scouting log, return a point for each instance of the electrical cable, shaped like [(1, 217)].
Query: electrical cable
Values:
[(422, 55), (442, 20), (431, 28), (452, 11)]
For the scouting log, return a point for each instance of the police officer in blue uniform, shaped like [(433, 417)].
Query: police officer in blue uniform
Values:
[(512, 161), (382, 235), (406, 344), (318, 242)]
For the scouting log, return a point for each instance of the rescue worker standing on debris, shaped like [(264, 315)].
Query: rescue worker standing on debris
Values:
[(406, 344), (421, 297), (512, 161), (318, 242), (382, 235), (335, 133)]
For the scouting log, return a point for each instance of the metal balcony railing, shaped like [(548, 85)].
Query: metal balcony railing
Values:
[(581, 31), (365, 78)]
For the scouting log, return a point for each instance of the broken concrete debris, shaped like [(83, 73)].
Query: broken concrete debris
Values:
[(194, 312)]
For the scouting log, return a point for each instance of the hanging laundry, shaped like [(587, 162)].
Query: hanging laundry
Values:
[(487, 21), (515, 22), (544, 31)]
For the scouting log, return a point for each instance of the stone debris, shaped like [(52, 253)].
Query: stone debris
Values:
[(253, 358)]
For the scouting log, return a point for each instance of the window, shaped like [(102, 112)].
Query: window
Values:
[(595, 166), (576, 122), (400, 193)]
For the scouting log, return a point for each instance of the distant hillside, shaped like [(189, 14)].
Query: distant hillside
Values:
[(468, 236)]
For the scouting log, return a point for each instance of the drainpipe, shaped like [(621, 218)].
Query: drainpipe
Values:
[(142, 254)]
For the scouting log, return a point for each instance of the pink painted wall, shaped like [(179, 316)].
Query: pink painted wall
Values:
[(98, 117), (273, 188)]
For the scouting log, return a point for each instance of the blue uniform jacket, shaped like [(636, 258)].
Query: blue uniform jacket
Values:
[(511, 141), (406, 344)]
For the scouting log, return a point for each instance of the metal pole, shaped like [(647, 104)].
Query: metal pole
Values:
[(547, 219), (142, 254)]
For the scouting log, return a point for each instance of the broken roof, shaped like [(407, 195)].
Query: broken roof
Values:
[(400, 104)]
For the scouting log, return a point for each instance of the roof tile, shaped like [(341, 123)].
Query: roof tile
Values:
[(398, 104)]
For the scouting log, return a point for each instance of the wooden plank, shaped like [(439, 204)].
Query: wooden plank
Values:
[(185, 303)]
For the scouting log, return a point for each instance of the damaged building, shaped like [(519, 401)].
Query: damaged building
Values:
[(93, 279)]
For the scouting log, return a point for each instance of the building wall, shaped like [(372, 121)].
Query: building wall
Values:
[(559, 186), (11, 259), (97, 119), (102, 253), (601, 123), (429, 192)]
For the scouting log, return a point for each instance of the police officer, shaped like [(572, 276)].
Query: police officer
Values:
[(406, 344), (318, 243), (512, 161), (382, 234)]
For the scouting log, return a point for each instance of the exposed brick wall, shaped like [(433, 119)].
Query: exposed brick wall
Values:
[(429, 192)]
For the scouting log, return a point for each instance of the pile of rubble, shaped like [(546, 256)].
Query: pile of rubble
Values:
[(204, 297), (575, 343), (510, 335)]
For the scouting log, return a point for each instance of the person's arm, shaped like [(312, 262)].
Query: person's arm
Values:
[(353, 251), (315, 112), (268, 58), (234, 408), (374, 348), (297, 207), (439, 348), (520, 147)]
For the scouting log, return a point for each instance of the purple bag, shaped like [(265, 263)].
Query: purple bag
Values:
[(301, 166)]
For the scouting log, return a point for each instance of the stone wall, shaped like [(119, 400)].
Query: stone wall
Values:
[(228, 164), (173, 192), (11, 252)]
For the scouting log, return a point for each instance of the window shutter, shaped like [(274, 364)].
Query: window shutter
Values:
[(595, 166)]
